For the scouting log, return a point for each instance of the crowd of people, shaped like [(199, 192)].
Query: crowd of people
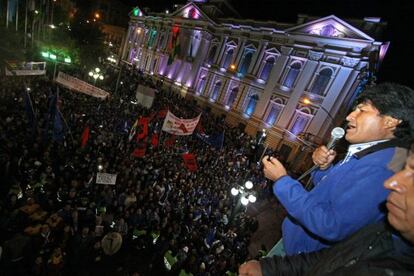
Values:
[(159, 218)]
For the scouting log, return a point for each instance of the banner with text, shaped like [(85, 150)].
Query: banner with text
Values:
[(174, 125), (81, 86), (14, 68), (106, 178)]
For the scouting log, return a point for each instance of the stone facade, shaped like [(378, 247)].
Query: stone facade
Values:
[(297, 81)]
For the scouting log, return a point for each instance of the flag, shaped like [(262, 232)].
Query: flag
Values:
[(190, 161), (174, 125), (12, 9), (174, 46), (85, 136), (58, 128), (154, 140), (28, 106), (140, 150), (170, 141), (216, 140), (162, 113), (133, 131), (143, 122)]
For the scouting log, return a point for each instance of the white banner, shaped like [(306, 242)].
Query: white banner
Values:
[(174, 125), (25, 68), (106, 178), (145, 96), (81, 86)]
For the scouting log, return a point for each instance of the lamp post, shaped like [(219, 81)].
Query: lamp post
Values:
[(95, 74), (308, 102), (245, 196)]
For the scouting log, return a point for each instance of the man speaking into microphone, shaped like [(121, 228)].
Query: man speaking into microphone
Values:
[(349, 194)]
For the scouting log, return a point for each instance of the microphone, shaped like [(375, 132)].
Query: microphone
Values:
[(336, 134)]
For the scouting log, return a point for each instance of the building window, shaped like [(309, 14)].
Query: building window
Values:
[(232, 97), (215, 92), (251, 105), (292, 74), (300, 123), (273, 114), (211, 55), (321, 81), (228, 58), (201, 84), (247, 59), (267, 68)]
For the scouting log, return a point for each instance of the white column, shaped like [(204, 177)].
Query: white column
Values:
[(258, 57), (219, 54), (274, 75), (239, 52), (201, 55)]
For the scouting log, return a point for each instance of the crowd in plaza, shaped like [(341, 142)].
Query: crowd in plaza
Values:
[(159, 218)]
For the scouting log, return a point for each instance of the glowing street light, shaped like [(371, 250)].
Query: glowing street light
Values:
[(307, 101), (95, 74)]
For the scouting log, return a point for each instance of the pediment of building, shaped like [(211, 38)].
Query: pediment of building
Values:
[(191, 11), (330, 26)]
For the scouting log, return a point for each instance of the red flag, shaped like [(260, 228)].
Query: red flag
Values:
[(85, 136), (143, 122), (140, 150), (190, 161), (170, 142), (162, 113), (154, 140)]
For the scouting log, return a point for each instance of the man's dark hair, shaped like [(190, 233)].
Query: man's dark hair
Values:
[(394, 100)]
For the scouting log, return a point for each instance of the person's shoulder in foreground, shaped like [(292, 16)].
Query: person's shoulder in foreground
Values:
[(376, 249), (341, 204)]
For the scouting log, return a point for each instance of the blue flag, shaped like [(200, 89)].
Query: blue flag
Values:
[(28, 106), (58, 128), (215, 140)]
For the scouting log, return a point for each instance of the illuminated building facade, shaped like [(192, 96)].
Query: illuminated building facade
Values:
[(290, 79)]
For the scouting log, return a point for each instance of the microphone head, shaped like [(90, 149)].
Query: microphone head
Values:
[(337, 133)]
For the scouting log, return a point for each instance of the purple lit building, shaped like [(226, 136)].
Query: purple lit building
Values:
[(295, 80)]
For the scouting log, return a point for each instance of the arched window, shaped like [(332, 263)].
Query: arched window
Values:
[(232, 97), (321, 81), (216, 90), (273, 114), (292, 74), (201, 84), (211, 55), (267, 68), (251, 105), (247, 59), (301, 121), (227, 58)]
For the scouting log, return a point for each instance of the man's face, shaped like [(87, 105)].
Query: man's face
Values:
[(400, 202), (366, 124)]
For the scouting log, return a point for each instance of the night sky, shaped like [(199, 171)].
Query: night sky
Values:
[(398, 13)]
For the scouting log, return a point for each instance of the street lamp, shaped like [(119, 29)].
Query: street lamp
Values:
[(307, 101), (95, 74), (245, 193)]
